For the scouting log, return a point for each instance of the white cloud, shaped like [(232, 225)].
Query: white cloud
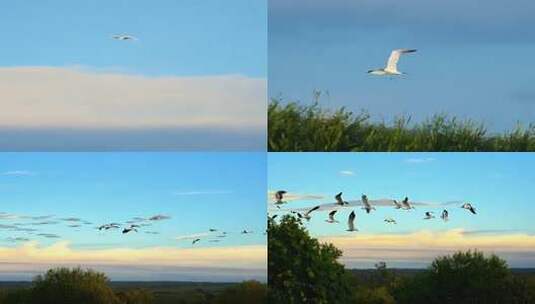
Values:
[(420, 160), (73, 97), (290, 196), (192, 236), (422, 246), (207, 192), (347, 172), (19, 173), (199, 263)]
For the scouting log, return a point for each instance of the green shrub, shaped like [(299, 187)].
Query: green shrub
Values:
[(68, 286), (294, 128), (466, 278)]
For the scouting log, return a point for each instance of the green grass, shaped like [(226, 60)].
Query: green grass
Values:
[(296, 128)]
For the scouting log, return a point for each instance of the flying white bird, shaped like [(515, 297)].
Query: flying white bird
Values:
[(391, 68), (339, 200), (469, 207), (331, 217), (390, 220), (444, 215), (367, 206), (124, 37), (429, 215), (108, 226), (351, 222), (406, 204), (129, 229), (279, 196), (307, 214)]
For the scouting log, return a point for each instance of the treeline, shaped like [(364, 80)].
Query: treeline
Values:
[(303, 270), (69, 286), (297, 128)]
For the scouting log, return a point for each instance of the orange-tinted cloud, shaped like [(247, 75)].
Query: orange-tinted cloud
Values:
[(419, 248)]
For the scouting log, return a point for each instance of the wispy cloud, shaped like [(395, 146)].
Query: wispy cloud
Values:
[(19, 173), (193, 236), (490, 231), (159, 217), (346, 172), (417, 160), (288, 197), (205, 192), (382, 202)]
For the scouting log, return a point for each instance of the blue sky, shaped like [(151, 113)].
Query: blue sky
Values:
[(499, 185), (471, 62), (197, 72), (175, 37), (199, 191)]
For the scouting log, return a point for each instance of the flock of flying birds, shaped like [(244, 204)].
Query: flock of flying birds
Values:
[(28, 225), (31, 226), (405, 204)]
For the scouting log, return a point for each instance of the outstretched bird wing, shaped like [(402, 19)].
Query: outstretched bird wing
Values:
[(392, 63), (365, 202), (339, 199), (331, 215), (313, 209), (351, 221)]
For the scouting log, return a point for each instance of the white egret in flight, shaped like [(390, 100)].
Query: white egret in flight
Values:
[(391, 68)]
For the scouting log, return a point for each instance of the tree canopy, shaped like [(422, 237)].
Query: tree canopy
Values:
[(465, 277), (64, 285), (302, 270)]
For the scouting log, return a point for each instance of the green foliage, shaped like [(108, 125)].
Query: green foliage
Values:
[(16, 296), (63, 285), (377, 295), (296, 128), (301, 270), (135, 296), (244, 293), (465, 277), (78, 286)]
